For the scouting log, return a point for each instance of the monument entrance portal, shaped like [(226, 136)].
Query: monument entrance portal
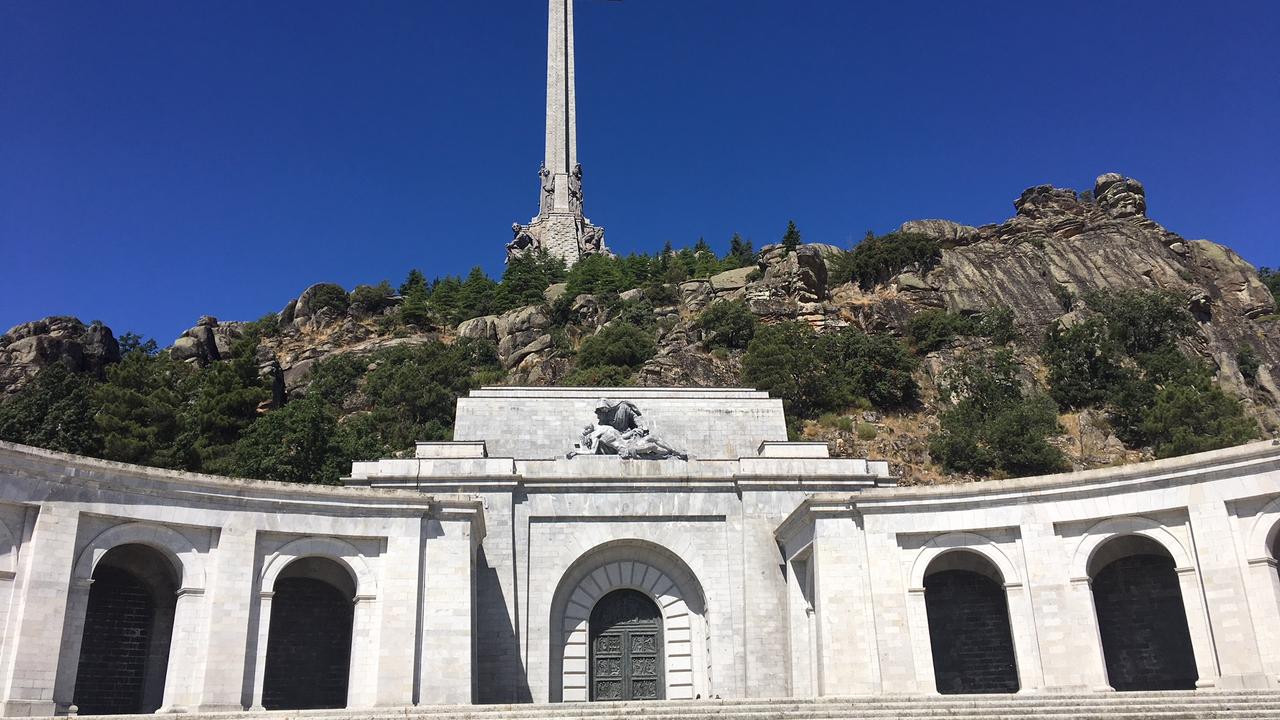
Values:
[(626, 648)]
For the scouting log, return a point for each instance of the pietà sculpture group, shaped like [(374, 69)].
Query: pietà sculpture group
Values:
[(619, 430)]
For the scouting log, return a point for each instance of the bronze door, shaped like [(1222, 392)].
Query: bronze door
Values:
[(626, 648)]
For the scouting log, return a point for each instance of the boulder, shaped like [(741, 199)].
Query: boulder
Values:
[(1231, 282), (305, 307), (1046, 202), (1120, 196), (800, 276), (730, 280), (696, 294), (29, 347), (520, 331), (946, 232), (481, 328), (555, 291)]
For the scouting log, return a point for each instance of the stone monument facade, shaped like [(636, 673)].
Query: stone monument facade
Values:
[(560, 227), (718, 560)]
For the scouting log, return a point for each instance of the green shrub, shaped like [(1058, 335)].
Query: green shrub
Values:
[(815, 373), (618, 344), (997, 324), (1271, 278), (929, 330), (1084, 363), (595, 274), (994, 427), (635, 312), (371, 299), (1143, 320), (329, 296), (55, 411), (1249, 363), (837, 421), (727, 324), (600, 376), (526, 279), (297, 443), (866, 431), (1185, 419), (876, 260)]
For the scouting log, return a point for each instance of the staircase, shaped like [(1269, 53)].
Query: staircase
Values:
[(1056, 706)]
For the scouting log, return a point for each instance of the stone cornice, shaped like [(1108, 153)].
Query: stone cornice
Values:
[(63, 473)]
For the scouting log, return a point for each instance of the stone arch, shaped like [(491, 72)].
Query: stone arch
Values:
[(8, 552), (1141, 612), (312, 623), (187, 560), (330, 548), (1084, 559), (968, 651), (963, 542), (128, 629), (629, 564), (1264, 536)]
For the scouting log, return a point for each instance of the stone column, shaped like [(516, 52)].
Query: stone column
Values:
[(231, 601), (260, 655), (73, 636), (448, 613), (1022, 626), (1221, 587), (187, 652), (1198, 624), (1093, 664), (40, 609), (362, 688), (1263, 581)]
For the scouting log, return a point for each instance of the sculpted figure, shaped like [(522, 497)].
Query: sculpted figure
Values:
[(575, 189), (548, 184), (521, 242), (620, 431)]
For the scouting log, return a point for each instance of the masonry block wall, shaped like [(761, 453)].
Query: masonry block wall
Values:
[(472, 589)]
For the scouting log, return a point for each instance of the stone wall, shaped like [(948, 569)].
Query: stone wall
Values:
[(471, 579)]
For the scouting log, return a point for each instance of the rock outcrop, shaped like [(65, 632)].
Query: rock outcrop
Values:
[(28, 348), (1042, 263)]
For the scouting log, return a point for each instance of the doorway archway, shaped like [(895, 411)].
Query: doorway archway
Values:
[(626, 648), (969, 632), (308, 661), (1146, 642), (128, 626)]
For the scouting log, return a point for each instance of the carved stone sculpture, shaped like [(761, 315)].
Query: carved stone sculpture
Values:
[(619, 430)]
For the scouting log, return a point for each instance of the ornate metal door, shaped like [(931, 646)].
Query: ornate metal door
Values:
[(626, 648)]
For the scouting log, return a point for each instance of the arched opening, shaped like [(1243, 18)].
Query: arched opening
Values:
[(626, 647), (969, 630), (308, 662), (128, 625), (657, 574), (1145, 640)]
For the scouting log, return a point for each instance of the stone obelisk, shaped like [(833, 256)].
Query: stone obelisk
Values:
[(560, 228)]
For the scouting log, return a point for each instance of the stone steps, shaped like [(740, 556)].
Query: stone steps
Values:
[(1044, 706)]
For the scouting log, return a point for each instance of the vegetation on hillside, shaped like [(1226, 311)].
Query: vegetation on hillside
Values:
[(1125, 360), (1000, 393)]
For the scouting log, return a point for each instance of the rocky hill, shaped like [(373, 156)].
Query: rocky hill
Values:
[(1040, 267)]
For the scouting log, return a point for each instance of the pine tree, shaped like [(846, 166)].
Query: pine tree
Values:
[(791, 240), (446, 298), (741, 253), (414, 282), (477, 295)]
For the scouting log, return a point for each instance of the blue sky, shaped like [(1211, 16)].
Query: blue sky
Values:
[(163, 160)]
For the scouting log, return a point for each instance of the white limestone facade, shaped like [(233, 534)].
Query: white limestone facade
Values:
[(478, 570)]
